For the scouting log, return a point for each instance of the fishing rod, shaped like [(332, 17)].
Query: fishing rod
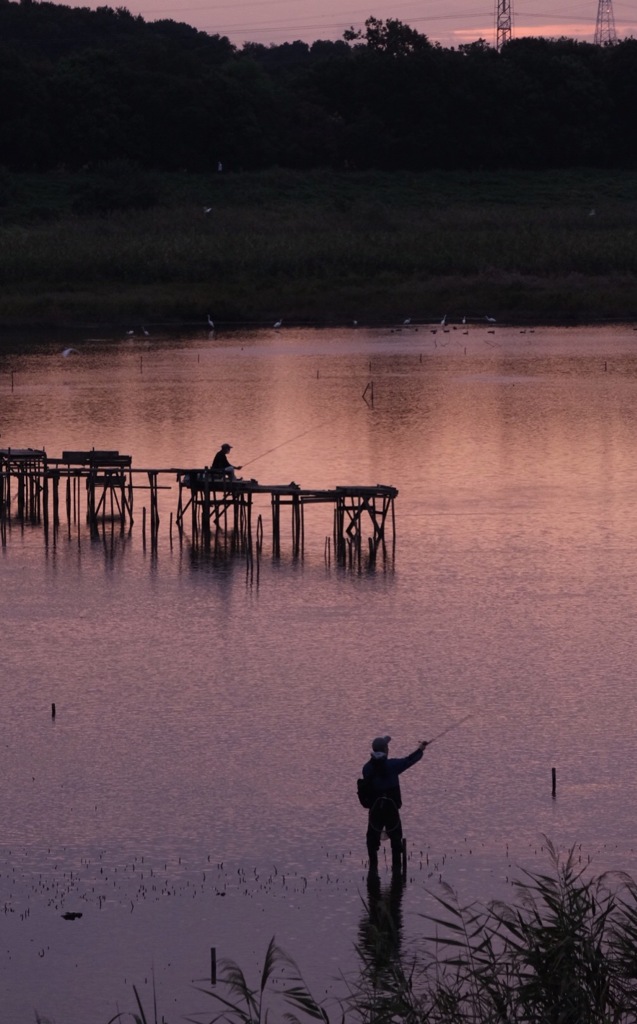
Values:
[(454, 725)]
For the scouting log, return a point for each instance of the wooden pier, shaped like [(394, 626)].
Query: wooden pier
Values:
[(22, 473), (99, 486)]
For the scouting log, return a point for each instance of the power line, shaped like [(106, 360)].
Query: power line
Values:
[(332, 24)]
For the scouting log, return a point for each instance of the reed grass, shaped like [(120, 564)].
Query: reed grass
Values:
[(564, 951), (326, 247)]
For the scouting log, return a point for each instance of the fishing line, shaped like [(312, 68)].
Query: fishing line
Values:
[(290, 439)]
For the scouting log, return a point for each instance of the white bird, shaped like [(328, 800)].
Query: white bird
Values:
[(278, 323), (443, 322), (490, 319), (211, 322), (407, 321), (144, 331), (207, 209), (70, 352), (464, 319)]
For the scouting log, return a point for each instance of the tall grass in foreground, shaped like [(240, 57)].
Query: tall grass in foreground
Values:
[(563, 952)]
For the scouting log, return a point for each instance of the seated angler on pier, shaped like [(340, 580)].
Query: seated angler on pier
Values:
[(221, 465)]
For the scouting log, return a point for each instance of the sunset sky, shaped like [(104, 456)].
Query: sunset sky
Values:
[(449, 22)]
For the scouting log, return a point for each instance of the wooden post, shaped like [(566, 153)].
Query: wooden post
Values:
[(213, 965), (553, 782), (205, 511), (259, 533), (248, 527), (276, 538), (45, 499), (296, 525), (56, 498)]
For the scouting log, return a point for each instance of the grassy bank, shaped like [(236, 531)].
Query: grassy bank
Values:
[(319, 247)]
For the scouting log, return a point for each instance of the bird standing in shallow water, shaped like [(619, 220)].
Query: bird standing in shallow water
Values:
[(279, 323)]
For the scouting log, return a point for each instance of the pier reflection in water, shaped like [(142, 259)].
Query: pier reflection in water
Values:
[(211, 718)]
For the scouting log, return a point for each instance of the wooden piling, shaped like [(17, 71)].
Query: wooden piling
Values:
[(276, 524), (45, 500), (259, 536), (553, 782), (56, 499)]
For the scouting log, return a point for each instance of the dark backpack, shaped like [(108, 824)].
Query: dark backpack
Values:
[(366, 792)]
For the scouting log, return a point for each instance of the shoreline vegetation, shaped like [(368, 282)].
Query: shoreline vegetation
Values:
[(120, 246), (562, 952)]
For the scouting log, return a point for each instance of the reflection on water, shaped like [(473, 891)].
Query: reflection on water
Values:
[(381, 929), (213, 713)]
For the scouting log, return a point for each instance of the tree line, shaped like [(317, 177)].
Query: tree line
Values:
[(79, 88)]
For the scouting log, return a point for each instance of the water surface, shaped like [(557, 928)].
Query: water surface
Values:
[(197, 787)]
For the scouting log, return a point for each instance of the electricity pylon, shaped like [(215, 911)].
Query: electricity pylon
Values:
[(605, 32), (503, 21)]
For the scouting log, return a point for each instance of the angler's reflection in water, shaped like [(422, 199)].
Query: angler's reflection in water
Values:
[(381, 926)]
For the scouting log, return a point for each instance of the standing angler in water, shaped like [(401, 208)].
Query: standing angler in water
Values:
[(381, 774)]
